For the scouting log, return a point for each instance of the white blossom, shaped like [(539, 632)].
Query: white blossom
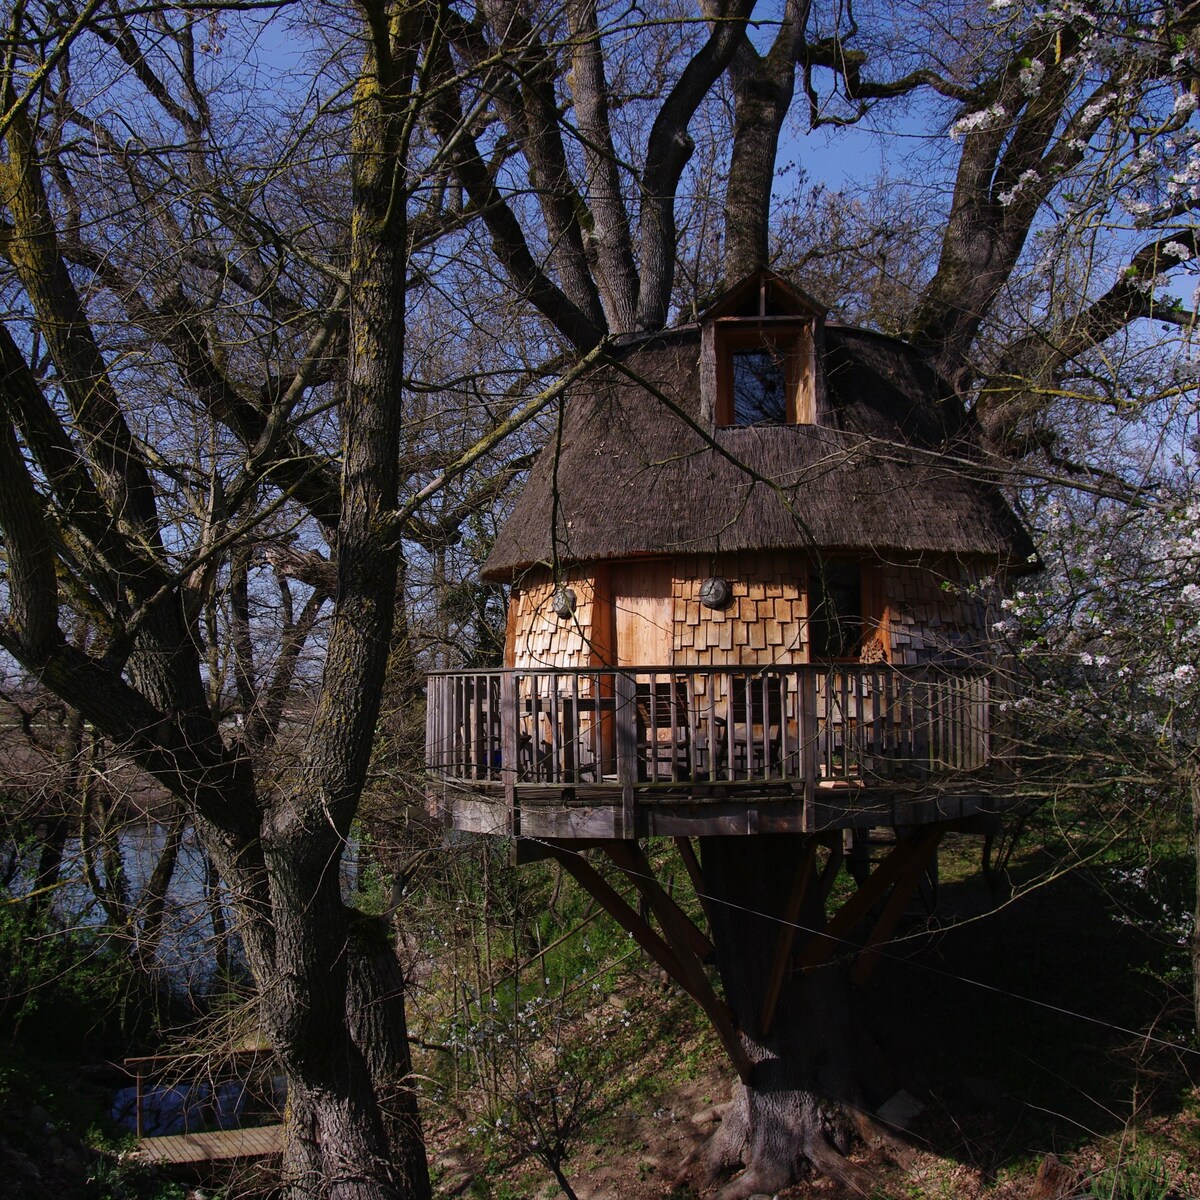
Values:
[(1027, 177), (985, 118), (1031, 77)]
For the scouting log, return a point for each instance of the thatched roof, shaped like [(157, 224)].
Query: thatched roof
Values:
[(886, 470)]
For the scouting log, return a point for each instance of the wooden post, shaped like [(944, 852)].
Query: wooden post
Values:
[(787, 933), (824, 945), (509, 748), (431, 703), (810, 740), (677, 926), (625, 687), (692, 864), (893, 910)]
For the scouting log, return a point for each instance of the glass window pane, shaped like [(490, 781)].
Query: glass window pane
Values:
[(759, 388)]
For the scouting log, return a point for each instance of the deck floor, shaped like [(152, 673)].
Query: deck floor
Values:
[(214, 1146)]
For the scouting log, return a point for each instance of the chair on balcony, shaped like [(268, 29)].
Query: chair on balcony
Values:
[(748, 735), (664, 731)]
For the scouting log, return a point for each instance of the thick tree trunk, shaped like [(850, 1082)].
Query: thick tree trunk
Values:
[(375, 1008), (335, 1004), (334, 1011), (805, 1101), (329, 999)]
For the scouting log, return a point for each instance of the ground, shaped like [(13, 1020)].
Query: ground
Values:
[(1015, 1034), (1026, 1037)]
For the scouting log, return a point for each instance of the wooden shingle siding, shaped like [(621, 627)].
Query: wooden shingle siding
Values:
[(915, 613), (541, 638), (763, 624), (936, 611)]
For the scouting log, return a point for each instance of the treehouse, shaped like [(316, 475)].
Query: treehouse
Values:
[(751, 588), (752, 582)]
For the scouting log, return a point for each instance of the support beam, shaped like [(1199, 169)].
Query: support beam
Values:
[(801, 881), (676, 925), (893, 910), (687, 852), (695, 984), (837, 855), (825, 945), (787, 933)]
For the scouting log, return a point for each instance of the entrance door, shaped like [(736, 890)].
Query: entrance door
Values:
[(642, 613)]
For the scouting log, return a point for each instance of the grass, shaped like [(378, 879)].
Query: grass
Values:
[(980, 1017)]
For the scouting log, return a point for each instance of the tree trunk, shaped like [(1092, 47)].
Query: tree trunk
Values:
[(805, 1100), (375, 1009)]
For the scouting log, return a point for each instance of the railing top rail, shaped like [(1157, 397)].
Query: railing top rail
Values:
[(957, 670)]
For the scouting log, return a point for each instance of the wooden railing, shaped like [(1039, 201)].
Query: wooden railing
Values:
[(680, 725)]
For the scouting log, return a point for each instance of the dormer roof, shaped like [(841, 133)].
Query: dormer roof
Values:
[(764, 293)]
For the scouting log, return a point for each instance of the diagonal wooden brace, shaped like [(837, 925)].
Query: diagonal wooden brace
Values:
[(676, 925), (688, 974), (912, 849), (894, 909)]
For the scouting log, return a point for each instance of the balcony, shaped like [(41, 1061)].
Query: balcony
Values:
[(679, 751)]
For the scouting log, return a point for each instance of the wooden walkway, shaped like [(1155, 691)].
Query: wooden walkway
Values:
[(219, 1145)]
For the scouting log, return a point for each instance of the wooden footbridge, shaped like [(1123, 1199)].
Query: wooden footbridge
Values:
[(193, 1148), (212, 1146)]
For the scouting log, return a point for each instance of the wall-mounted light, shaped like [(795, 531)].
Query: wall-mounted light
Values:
[(715, 592), (563, 602)]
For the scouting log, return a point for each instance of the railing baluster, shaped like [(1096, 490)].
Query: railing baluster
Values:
[(729, 730), (458, 753), (625, 688), (810, 733), (556, 773), (764, 693), (577, 757), (785, 691), (509, 747), (985, 742), (652, 745), (872, 697), (931, 707)]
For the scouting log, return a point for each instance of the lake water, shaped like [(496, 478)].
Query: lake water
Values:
[(186, 958), (186, 954)]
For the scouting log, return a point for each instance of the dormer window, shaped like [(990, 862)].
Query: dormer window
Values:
[(760, 391), (765, 373), (759, 354)]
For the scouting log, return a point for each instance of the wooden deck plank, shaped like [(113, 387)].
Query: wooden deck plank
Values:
[(213, 1146)]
